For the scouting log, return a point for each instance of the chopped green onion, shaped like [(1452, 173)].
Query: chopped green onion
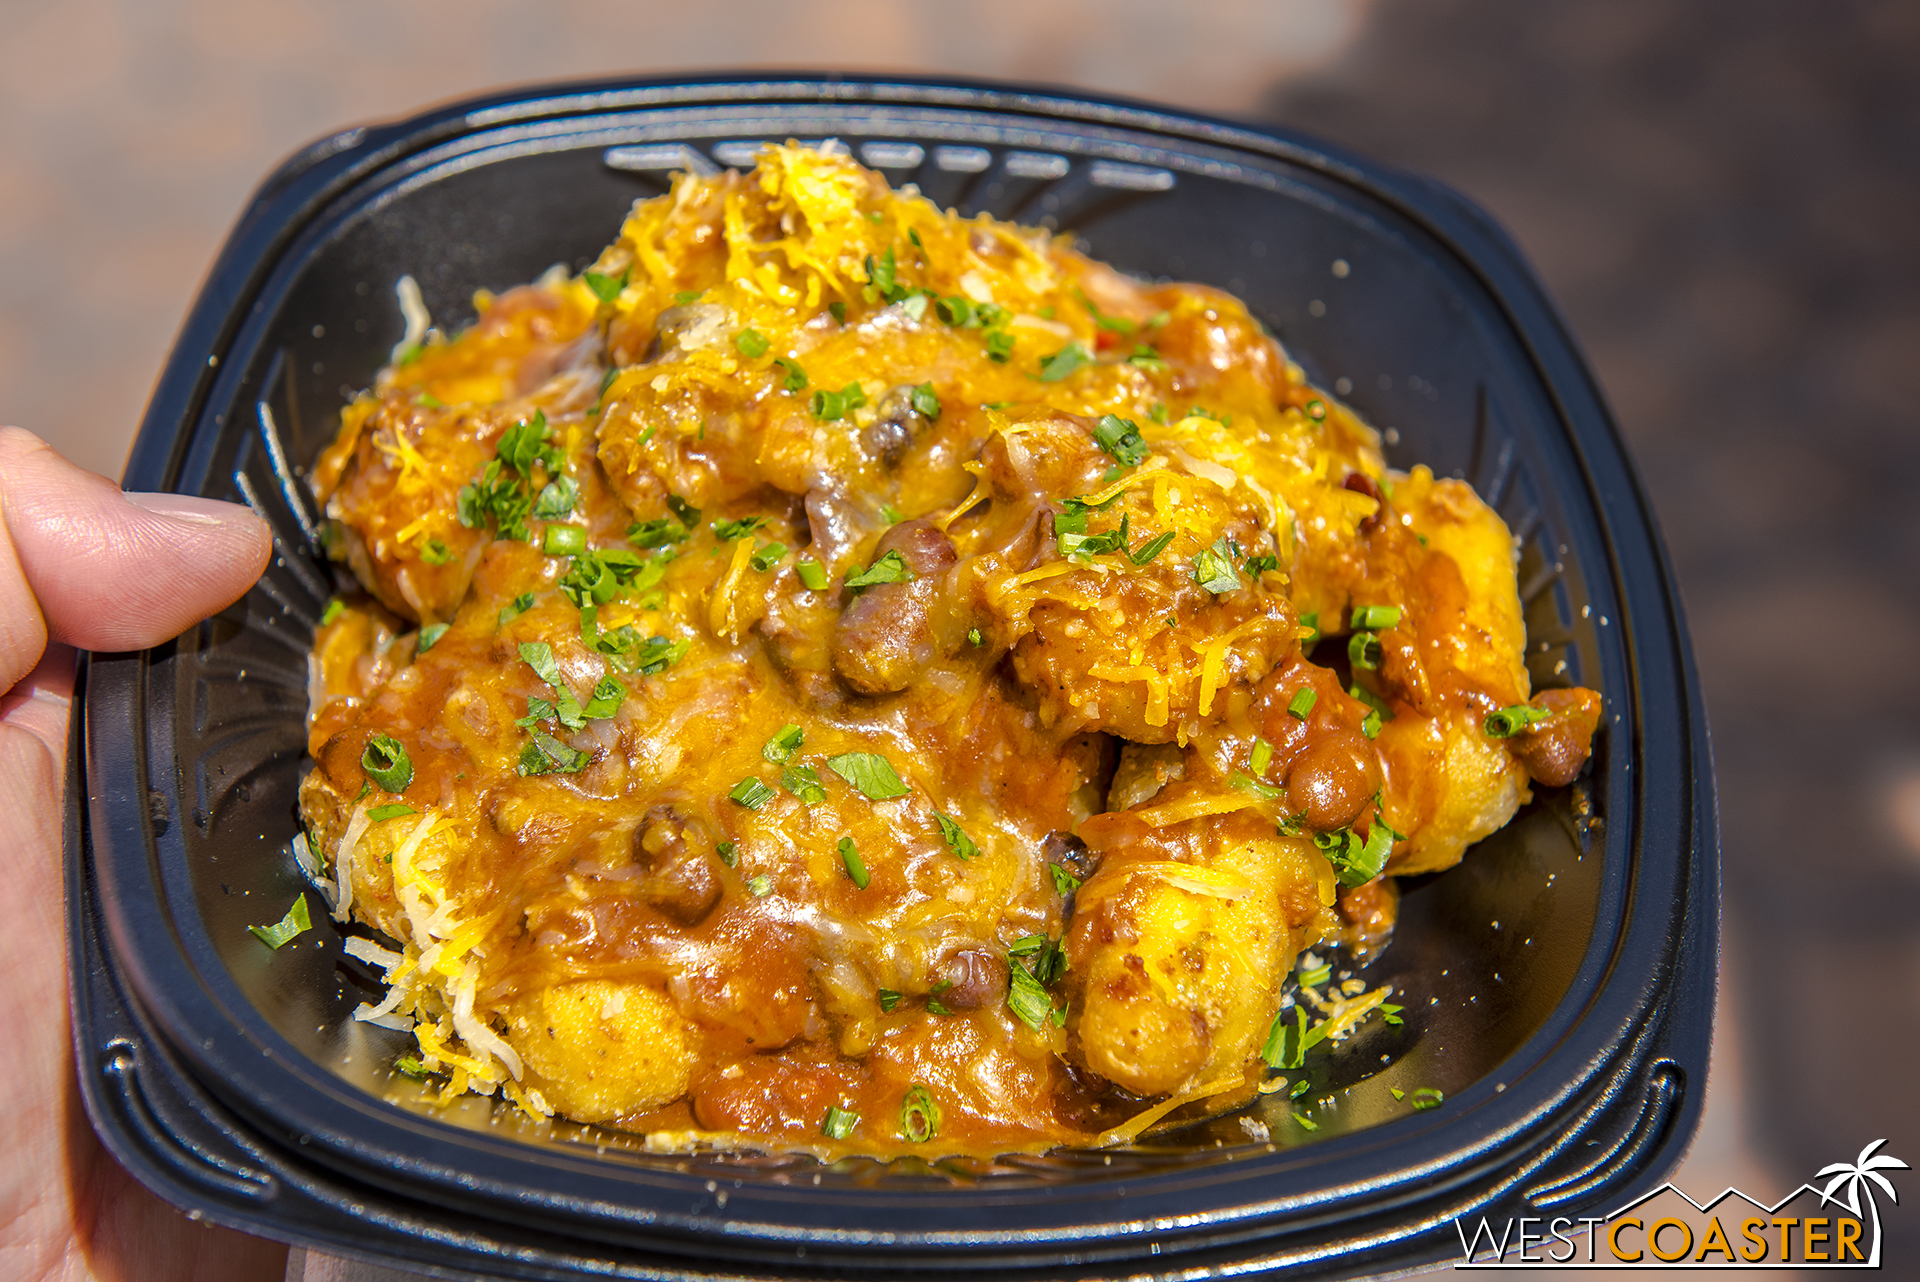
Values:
[(1375, 618), (1151, 548), (1380, 711), (1370, 725), (870, 772), (564, 540), (429, 634), (1316, 410), (1311, 619), (999, 346), (686, 296), (804, 783), (1317, 976), (955, 310), (1264, 791), (1307, 1123), (1428, 1097), (1121, 439), (856, 868), (925, 402), (428, 400), (335, 608), (1363, 651), (1071, 521), (888, 999), (837, 310), (958, 841), (434, 552), (760, 885), (750, 343), (767, 555), (296, 922), (1101, 320), (919, 1115), (751, 793), (728, 852), (1262, 756), (387, 764), (1258, 565), (606, 288), (891, 514), (380, 814), (1509, 722), (1068, 360), (796, 379), (891, 568), (1145, 357), (783, 743), (1063, 881), (410, 1066), (838, 1123), (1300, 1088), (1213, 568), (829, 406), (525, 443), (1301, 706), (813, 575)]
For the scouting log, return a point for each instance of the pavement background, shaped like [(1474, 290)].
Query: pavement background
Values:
[(1723, 195)]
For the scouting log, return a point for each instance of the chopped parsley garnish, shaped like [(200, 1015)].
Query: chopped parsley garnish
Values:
[(1306, 1123), (813, 575), (1068, 360), (1087, 545), (838, 1123), (429, 634), (515, 608), (975, 637), (539, 656), (1300, 1088), (891, 514), (557, 499), (1151, 548), (1427, 1097), (783, 743), (1288, 1044), (1258, 565), (751, 792), (564, 540), (606, 381), (1213, 568), (335, 608), (1301, 706), (919, 1115), (686, 296), (925, 402), (546, 755), (1113, 324), (526, 443), (957, 841), (394, 810), (870, 772), (1363, 651), (796, 379), (1145, 357), (1031, 1002), (880, 275), (1357, 861), (410, 1066), (1049, 958), (1509, 722), (434, 552), (804, 783), (760, 885), (739, 528), (751, 343), (497, 498), (1389, 1013), (767, 555), (1120, 437), (891, 568), (1375, 617), (427, 400), (829, 406), (657, 533), (856, 867), (837, 310), (606, 288), (728, 852), (608, 695), (888, 998), (387, 763), (1063, 881), (296, 922)]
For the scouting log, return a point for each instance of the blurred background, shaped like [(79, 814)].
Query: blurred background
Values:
[(1724, 195)]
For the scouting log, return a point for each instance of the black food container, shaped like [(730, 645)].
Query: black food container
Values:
[(1558, 984)]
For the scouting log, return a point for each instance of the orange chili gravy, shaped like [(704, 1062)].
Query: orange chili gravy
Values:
[(644, 919)]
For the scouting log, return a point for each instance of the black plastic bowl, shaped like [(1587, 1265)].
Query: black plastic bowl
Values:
[(1558, 985)]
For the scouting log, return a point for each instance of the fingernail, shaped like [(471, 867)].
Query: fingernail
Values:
[(189, 507)]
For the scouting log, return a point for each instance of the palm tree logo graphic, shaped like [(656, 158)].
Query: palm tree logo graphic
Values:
[(1854, 1176)]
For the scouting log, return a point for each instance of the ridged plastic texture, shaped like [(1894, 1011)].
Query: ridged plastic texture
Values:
[(1558, 984)]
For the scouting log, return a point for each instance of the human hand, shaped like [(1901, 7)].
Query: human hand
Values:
[(84, 566)]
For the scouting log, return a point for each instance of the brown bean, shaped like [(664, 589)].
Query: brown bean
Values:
[(974, 977), (1333, 780), (1554, 750), (885, 637), (681, 883)]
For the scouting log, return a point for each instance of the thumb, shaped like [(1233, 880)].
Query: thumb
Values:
[(83, 563)]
